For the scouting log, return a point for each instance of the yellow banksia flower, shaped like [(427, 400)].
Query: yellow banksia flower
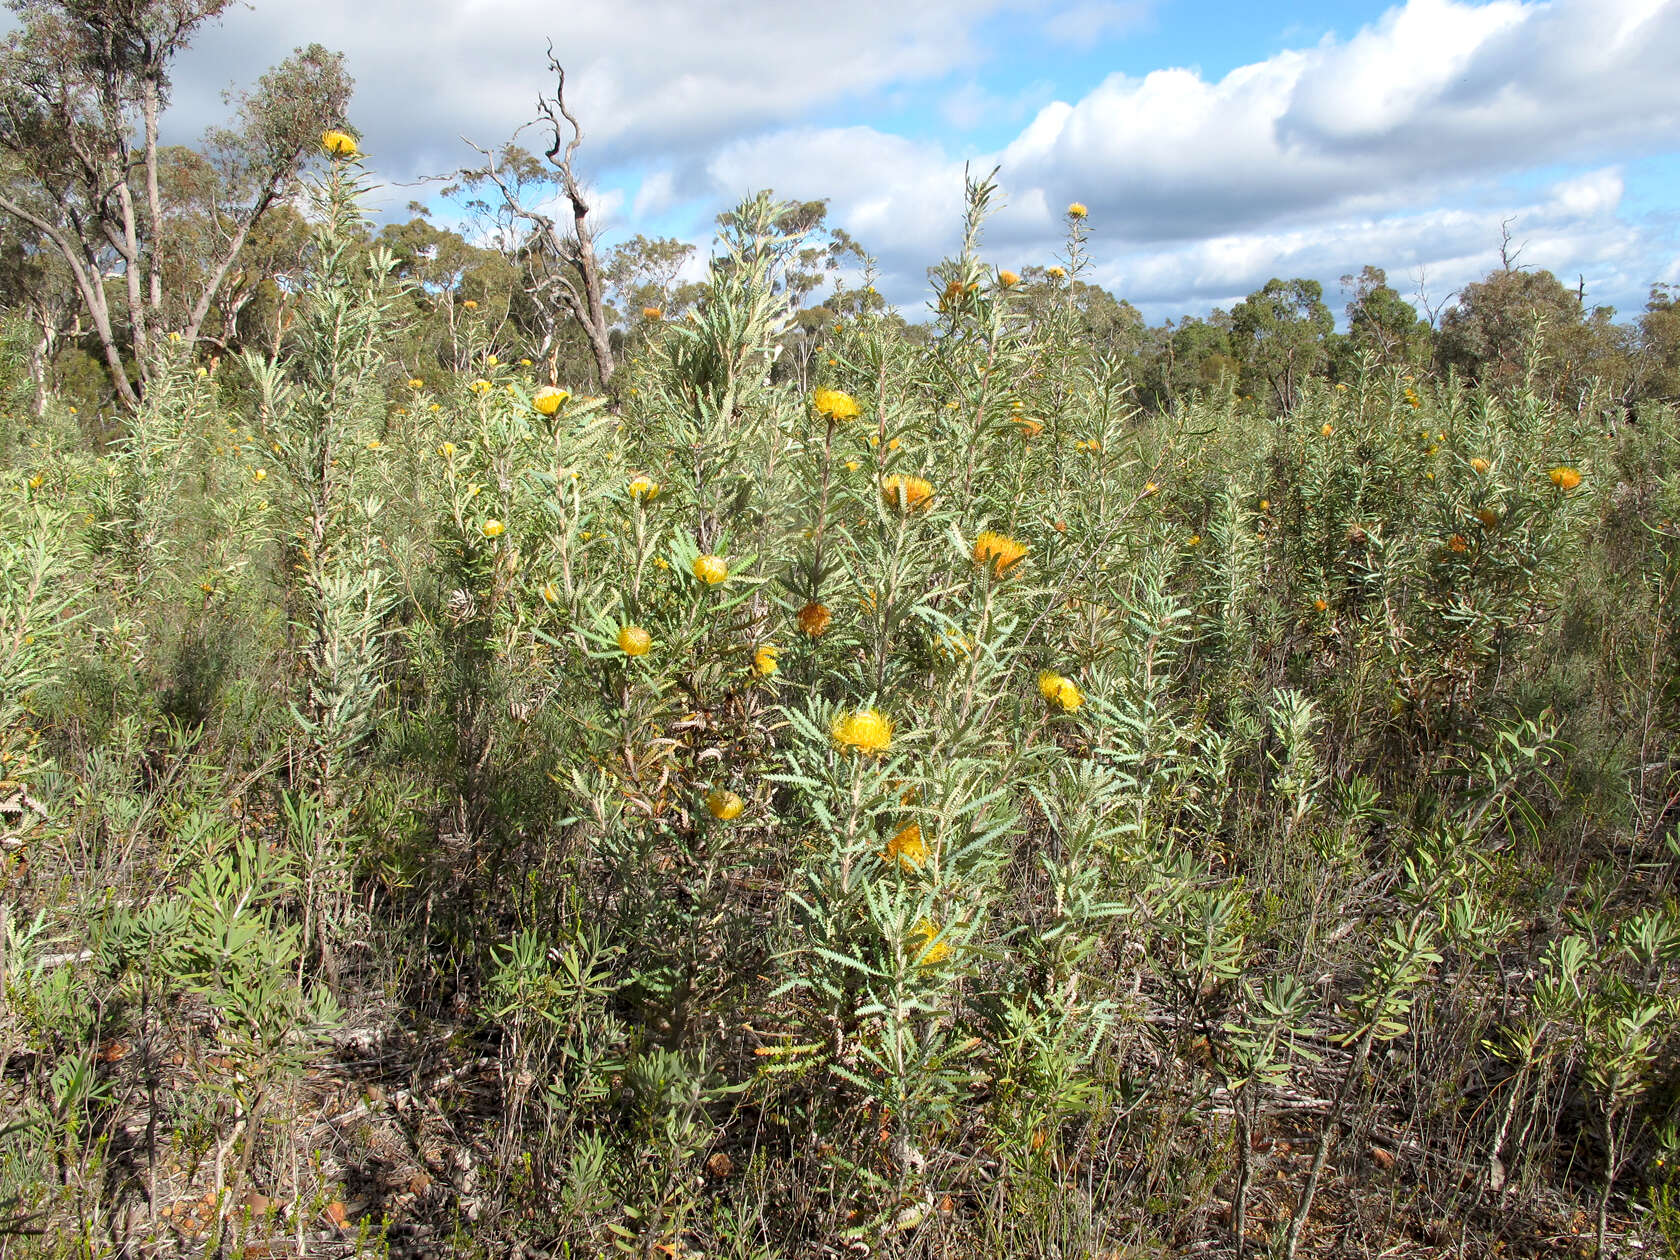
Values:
[(907, 848), (1195, 540), (1008, 279), (492, 528), (259, 474), (724, 805), (953, 645), (1028, 428), (446, 449), (1060, 691), (548, 399), (1488, 517), (339, 143), (1458, 543), (710, 569), (835, 404), (653, 314), (1565, 477), (929, 949), (764, 660), (549, 592), (813, 619), (998, 552), (1326, 429), (643, 487), (862, 730), (907, 494), (469, 305), (481, 386), (1077, 210), (1056, 273), (1480, 465), (634, 641), (1321, 604)]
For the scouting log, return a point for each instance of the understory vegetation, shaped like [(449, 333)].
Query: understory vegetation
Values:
[(928, 804)]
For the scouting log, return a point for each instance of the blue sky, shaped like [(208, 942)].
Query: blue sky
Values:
[(1217, 143)]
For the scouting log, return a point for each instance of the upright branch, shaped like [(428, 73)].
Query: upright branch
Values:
[(559, 261), (583, 299)]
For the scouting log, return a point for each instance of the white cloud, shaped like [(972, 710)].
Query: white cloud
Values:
[(1559, 229), (658, 192), (1393, 145), (649, 78), (1437, 90), (1389, 147), (1085, 23)]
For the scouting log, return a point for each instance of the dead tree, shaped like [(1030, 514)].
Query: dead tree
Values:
[(559, 258)]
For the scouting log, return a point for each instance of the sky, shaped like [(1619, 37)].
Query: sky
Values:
[(1216, 143)]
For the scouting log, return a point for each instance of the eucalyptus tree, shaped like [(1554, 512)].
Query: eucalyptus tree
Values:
[(83, 87)]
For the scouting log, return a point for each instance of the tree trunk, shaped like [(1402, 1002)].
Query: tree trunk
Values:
[(589, 270), (154, 204), (129, 248), (38, 374)]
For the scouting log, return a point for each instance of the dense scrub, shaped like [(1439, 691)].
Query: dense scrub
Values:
[(949, 811)]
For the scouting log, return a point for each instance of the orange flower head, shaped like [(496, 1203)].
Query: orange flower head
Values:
[(814, 618), (1480, 465), (724, 805), (1458, 543), (835, 404), (1565, 477), (1061, 692), (634, 641), (862, 730), (710, 569), (998, 552), (907, 848), (928, 948), (906, 494)]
